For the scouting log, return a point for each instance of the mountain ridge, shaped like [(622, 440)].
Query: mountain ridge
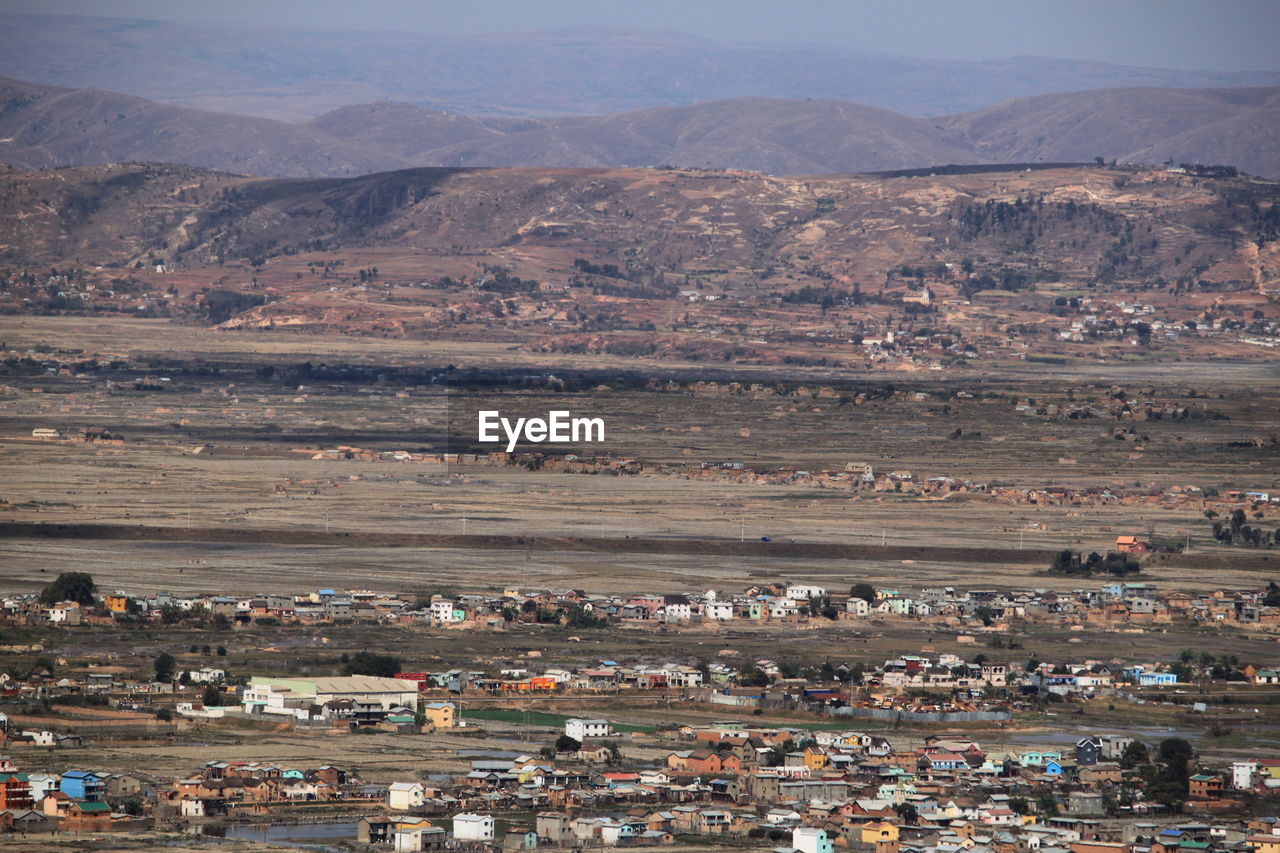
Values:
[(46, 126), (298, 73)]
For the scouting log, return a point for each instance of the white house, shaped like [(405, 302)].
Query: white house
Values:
[(677, 608), (781, 608), (808, 839), (64, 613), (403, 796), (1242, 774), (206, 675), (41, 737), (718, 611), (473, 827), (41, 785), (804, 592), (191, 808), (580, 730), (444, 611), (857, 607)]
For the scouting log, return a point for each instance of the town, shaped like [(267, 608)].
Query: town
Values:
[(935, 751)]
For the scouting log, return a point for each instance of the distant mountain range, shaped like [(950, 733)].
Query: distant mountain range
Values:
[(46, 126), (299, 73)]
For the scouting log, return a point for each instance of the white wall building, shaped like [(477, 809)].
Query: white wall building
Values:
[(718, 611), (290, 696), (808, 839), (402, 796), (443, 611), (1242, 774), (580, 730), (473, 827)]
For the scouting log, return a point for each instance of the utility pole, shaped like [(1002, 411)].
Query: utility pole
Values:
[(884, 533), (464, 524)]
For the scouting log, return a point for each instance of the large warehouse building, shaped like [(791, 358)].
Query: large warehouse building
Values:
[(294, 696)]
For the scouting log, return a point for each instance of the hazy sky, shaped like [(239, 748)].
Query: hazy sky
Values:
[(1223, 35)]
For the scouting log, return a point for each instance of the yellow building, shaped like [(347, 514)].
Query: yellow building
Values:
[(816, 759), (116, 603), (879, 831), (440, 714)]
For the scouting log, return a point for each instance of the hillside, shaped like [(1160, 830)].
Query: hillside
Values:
[(857, 271), (43, 126), (1087, 224), (298, 73)]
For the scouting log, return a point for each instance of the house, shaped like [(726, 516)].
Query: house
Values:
[(403, 796), (82, 785), (1242, 774), (553, 826), (473, 827), (1085, 804), (1131, 545), (15, 791), (1264, 843), (1205, 786), (581, 729), (520, 838), (1088, 751), (1157, 679), (807, 839), (440, 714), (64, 613)]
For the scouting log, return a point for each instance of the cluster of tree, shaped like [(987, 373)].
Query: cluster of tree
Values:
[(71, 586), (1192, 666), (370, 663), (865, 591), (574, 616), (1237, 532), (221, 304), (500, 280), (823, 297), (1070, 562), (1166, 779), (607, 270), (1211, 171)]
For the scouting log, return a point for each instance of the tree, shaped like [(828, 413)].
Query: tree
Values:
[(212, 696), (1134, 755), (222, 651), (164, 666), (865, 591), (1019, 805), (368, 663), (1046, 803), (70, 586), (564, 743), (907, 813)]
